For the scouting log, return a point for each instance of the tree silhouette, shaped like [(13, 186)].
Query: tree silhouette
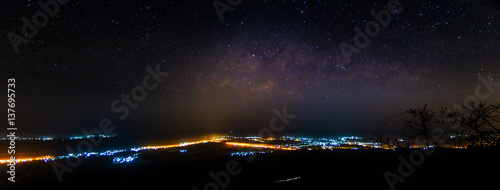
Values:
[(381, 139), (459, 138), (388, 143), (419, 124), (479, 121)]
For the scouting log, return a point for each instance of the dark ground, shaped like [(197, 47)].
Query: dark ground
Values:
[(353, 169)]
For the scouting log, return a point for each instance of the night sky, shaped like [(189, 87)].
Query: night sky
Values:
[(228, 75)]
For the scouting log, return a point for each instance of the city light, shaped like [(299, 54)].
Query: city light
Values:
[(120, 160), (21, 160), (286, 180), (283, 143), (178, 145), (249, 153), (259, 146)]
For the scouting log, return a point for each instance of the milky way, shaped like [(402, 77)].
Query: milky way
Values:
[(230, 74)]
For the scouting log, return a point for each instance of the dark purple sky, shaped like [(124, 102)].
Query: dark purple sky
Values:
[(229, 75)]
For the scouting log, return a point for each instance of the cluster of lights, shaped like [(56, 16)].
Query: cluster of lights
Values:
[(90, 136), (21, 160), (111, 152), (51, 138), (350, 138), (251, 145), (256, 137), (249, 153), (326, 143), (30, 139), (88, 154), (302, 143), (176, 145), (108, 152), (121, 160), (286, 180)]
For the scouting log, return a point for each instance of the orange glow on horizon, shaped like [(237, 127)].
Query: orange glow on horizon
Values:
[(178, 145), (259, 146), (21, 160)]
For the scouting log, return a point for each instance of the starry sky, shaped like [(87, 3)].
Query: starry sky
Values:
[(228, 75)]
